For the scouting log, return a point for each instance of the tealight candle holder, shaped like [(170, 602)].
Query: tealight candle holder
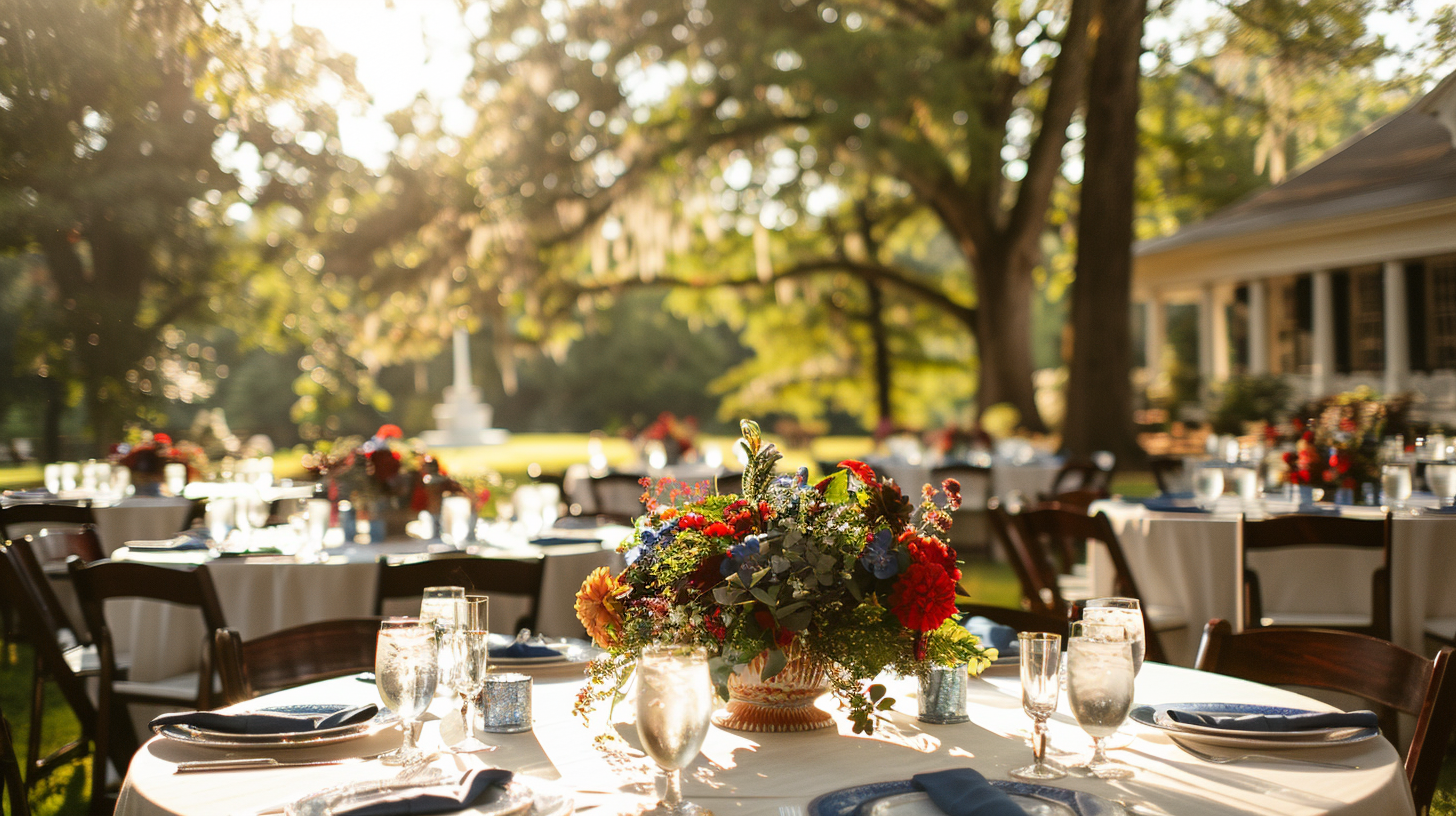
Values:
[(507, 708), (943, 695)]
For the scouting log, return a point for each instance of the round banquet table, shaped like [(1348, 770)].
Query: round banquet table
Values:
[(776, 774), (1189, 561)]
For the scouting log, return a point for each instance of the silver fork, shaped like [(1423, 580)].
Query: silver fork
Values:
[(1224, 760)]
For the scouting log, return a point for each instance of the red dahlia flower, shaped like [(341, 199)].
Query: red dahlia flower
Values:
[(923, 598)]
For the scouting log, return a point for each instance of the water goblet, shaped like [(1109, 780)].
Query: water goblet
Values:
[(1099, 688), (674, 704), (405, 672), (1208, 484), (469, 644), (1124, 612), (439, 608), (1395, 480), (1442, 477), (1041, 684)]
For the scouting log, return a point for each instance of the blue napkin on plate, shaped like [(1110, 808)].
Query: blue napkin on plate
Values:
[(1168, 504), (1308, 721), (551, 541), (964, 792), (991, 633), (267, 722), (1318, 509), (520, 649), (475, 787)]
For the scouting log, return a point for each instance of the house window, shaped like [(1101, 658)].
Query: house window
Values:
[(1441, 313), (1291, 316), (1367, 320)]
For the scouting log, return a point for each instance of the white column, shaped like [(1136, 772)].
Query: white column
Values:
[(1155, 337), (1397, 338), (1258, 327), (1322, 368), (1221, 299), (1206, 308)]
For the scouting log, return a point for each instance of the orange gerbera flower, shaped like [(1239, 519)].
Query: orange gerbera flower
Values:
[(599, 607)]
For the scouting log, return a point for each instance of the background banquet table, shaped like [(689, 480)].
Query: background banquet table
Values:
[(1189, 561), (764, 773), (262, 594)]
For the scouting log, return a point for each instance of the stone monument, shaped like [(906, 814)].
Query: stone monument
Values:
[(462, 419)]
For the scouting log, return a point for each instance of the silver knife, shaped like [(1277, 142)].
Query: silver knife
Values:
[(258, 763)]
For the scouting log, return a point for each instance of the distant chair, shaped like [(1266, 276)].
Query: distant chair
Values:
[(61, 514), (1386, 675), (1170, 474), (618, 496), (970, 529), (493, 576), (729, 483), (293, 656), (1312, 533), (1034, 570), (1083, 475), (1066, 531)]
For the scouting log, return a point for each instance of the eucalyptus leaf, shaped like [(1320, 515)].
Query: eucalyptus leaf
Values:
[(763, 597)]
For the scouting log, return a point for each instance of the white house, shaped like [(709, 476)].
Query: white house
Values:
[(1344, 274)]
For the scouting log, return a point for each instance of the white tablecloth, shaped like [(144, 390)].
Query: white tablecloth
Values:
[(1189, 561), (765, 773)]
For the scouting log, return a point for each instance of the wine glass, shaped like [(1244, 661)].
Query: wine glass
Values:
[(674, 704), (1099, 688), (1124, 612), (1395, 480), (438, 609), (1041, 685), (470, 647), (405, 672), (1442, 476)]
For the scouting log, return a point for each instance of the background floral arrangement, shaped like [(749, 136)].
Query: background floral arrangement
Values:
[(362, 469), (1337, 439), (678, 436), (148, 452), (841, 570)]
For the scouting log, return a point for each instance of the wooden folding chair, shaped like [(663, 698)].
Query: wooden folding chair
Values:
[(102, 581), (492, 576), (1066, 530), (40, 620), (618, 496), (1039, 591), (970, 527), (1317, 532), (10, 782), (293, 656), (1393, 679)]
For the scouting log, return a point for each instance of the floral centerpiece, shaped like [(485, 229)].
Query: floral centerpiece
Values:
[(148, 454), (369, 473), (1337, 440), (840, 578), (676, 436)]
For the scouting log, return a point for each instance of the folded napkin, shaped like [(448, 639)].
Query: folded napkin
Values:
[(267, 722), (186, 540), (1318, 509), (1167, 504), (964, 792), (521, 649), (551, 541), (1308, 721), (435, 799), (991, 633)]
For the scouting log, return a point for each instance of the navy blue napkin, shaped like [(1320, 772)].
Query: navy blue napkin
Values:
[(1318, 509), (964, 792), (551, 541), (475, 788), (521, 649), (1167, 504), (1308, 721), (267, 722), (991, 633)]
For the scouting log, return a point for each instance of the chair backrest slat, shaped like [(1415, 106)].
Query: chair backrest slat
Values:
[(294, 656), (504, 576)]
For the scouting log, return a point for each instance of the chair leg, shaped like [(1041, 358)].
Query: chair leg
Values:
[(37, 712)]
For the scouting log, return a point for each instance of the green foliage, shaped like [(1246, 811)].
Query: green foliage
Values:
[(1251, 398)]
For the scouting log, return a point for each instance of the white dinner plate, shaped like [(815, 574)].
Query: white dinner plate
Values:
[(1148, 716), (1160, 713), (567, 651), (207, 738), (901, 798), (520, 796)]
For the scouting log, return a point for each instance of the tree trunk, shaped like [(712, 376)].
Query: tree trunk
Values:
[(1099, 385), (881, 337), (1003, 336)]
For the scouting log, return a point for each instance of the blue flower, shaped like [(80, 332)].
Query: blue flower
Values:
[(879, 557), (739, 553)]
